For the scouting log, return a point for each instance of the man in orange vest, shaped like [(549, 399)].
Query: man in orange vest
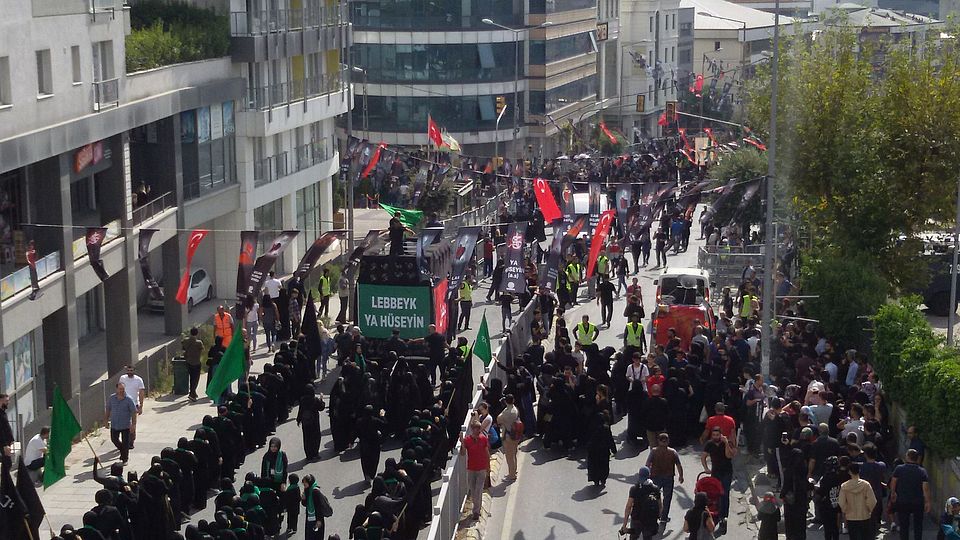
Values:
[(223, 325)]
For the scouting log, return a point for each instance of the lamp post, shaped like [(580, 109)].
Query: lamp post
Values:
[(366, 125), (516, 70)]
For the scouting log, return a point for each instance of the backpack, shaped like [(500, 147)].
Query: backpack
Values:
[(325, 509), (648, 507)]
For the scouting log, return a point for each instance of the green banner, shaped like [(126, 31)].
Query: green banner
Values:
[(385, 307)]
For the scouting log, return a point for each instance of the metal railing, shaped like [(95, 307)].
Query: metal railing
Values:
[(154, 207), (726, 265), (476, 216), (256, 23), (277, 95), (106, 94), (206, 185), (275, 167), (19, 280), (453, 490)]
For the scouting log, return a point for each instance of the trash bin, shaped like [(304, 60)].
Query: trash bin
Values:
[(181, 377)]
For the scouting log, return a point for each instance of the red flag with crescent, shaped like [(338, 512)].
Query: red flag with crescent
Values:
[(608, 133), (599, 237), (546, 200), (433, 132), (193, 243), (373, 160)]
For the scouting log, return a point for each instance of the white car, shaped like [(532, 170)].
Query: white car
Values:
[(201, 288)]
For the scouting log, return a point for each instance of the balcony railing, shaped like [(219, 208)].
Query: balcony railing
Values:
[(277, 95), (154, 207), (20, 280), (206, 185), (256, 23), (106, 94), (303, 157)]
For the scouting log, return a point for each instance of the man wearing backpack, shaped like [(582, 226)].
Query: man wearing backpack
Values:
[(644, 506)]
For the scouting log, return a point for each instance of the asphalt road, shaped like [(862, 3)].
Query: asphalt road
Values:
[(552, 498)]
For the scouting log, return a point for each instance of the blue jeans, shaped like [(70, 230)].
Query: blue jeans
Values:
[(726, 479), (665, 483)]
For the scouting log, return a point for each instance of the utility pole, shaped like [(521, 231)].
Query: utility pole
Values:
[(769, 235)]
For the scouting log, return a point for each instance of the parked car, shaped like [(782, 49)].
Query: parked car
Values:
[(201, 289)]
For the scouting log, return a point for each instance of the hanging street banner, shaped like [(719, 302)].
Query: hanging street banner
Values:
[(594, 193), (514, 281), (266, 261), (599, 237), (95, 236), (567, 196), (320, 246), (385, 307), (463, 248), (624, 193), (441, 316), (427, 237), (143, 255), (248, 253), (562, 239), (196, 236)]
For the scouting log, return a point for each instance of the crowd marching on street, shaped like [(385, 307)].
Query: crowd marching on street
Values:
[(819, 426)]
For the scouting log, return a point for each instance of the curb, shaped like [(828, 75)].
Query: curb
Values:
[(477, 530)]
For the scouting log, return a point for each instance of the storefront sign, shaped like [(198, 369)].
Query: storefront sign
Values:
[(87, 155), (385, 307)]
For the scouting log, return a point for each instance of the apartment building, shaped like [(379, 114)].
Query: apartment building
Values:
[(243, 140)]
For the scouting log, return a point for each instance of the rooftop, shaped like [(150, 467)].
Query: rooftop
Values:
[(861, 17), (754, 18)]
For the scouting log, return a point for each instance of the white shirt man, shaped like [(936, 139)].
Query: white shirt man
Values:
[(134, 386), (638, 373), (36, 449), (273, 286)]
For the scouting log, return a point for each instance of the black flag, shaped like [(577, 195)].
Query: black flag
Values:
[(427, 237), (248, 253), (12, 509), (31, 501), (95, 236), (463, 248), (514, 281), (319, 246), (265, 262), (143, 256)]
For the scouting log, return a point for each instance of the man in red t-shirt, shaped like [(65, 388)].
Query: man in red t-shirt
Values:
[(727, 425), (477, 449)]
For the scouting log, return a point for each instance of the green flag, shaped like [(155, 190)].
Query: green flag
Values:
[(63, 428), (409, 218), (231, 366), (481, 347)]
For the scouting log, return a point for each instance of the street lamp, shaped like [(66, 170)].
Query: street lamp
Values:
[(516, 70), (366, 125)]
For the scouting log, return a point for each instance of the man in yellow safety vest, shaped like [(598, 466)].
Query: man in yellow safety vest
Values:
[(633, 337), (586, 332), (573, 273), (465, 297), (325, 292)]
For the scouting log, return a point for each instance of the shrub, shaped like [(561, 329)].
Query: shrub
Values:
[(848, 286), (163, 34), (919, 372)]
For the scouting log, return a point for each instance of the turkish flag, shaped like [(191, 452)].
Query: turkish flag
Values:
[(193, 243), (546, 200), (440, 315), (373, 160), (662, 121), (599, 237), (433, 132)]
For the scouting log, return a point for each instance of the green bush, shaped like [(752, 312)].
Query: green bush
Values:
[(848, 286), (163, 34), (919, 372)]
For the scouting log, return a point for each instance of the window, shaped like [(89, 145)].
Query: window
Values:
[(103, 61), (651, 25), (44, 73), (673, 21), (666, 22), (75, 61), (5, 97), (716, 45), (308, 215), (673, 54)]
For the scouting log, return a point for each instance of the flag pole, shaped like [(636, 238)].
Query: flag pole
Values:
[(50, 527), (26, 527), (86, 440)]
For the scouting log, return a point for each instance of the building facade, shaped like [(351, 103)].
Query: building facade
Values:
[(648, 59), (452, 60), (224, 144)]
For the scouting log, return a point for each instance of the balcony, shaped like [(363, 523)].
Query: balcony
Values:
[(269, 97), (283, 164), (19, 281), (106, 94), (154, 208), (258, 23)]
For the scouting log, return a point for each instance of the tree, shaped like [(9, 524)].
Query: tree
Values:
[(437, 200), (608, 147), (744, 203), (865, 148), (848, 287)]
